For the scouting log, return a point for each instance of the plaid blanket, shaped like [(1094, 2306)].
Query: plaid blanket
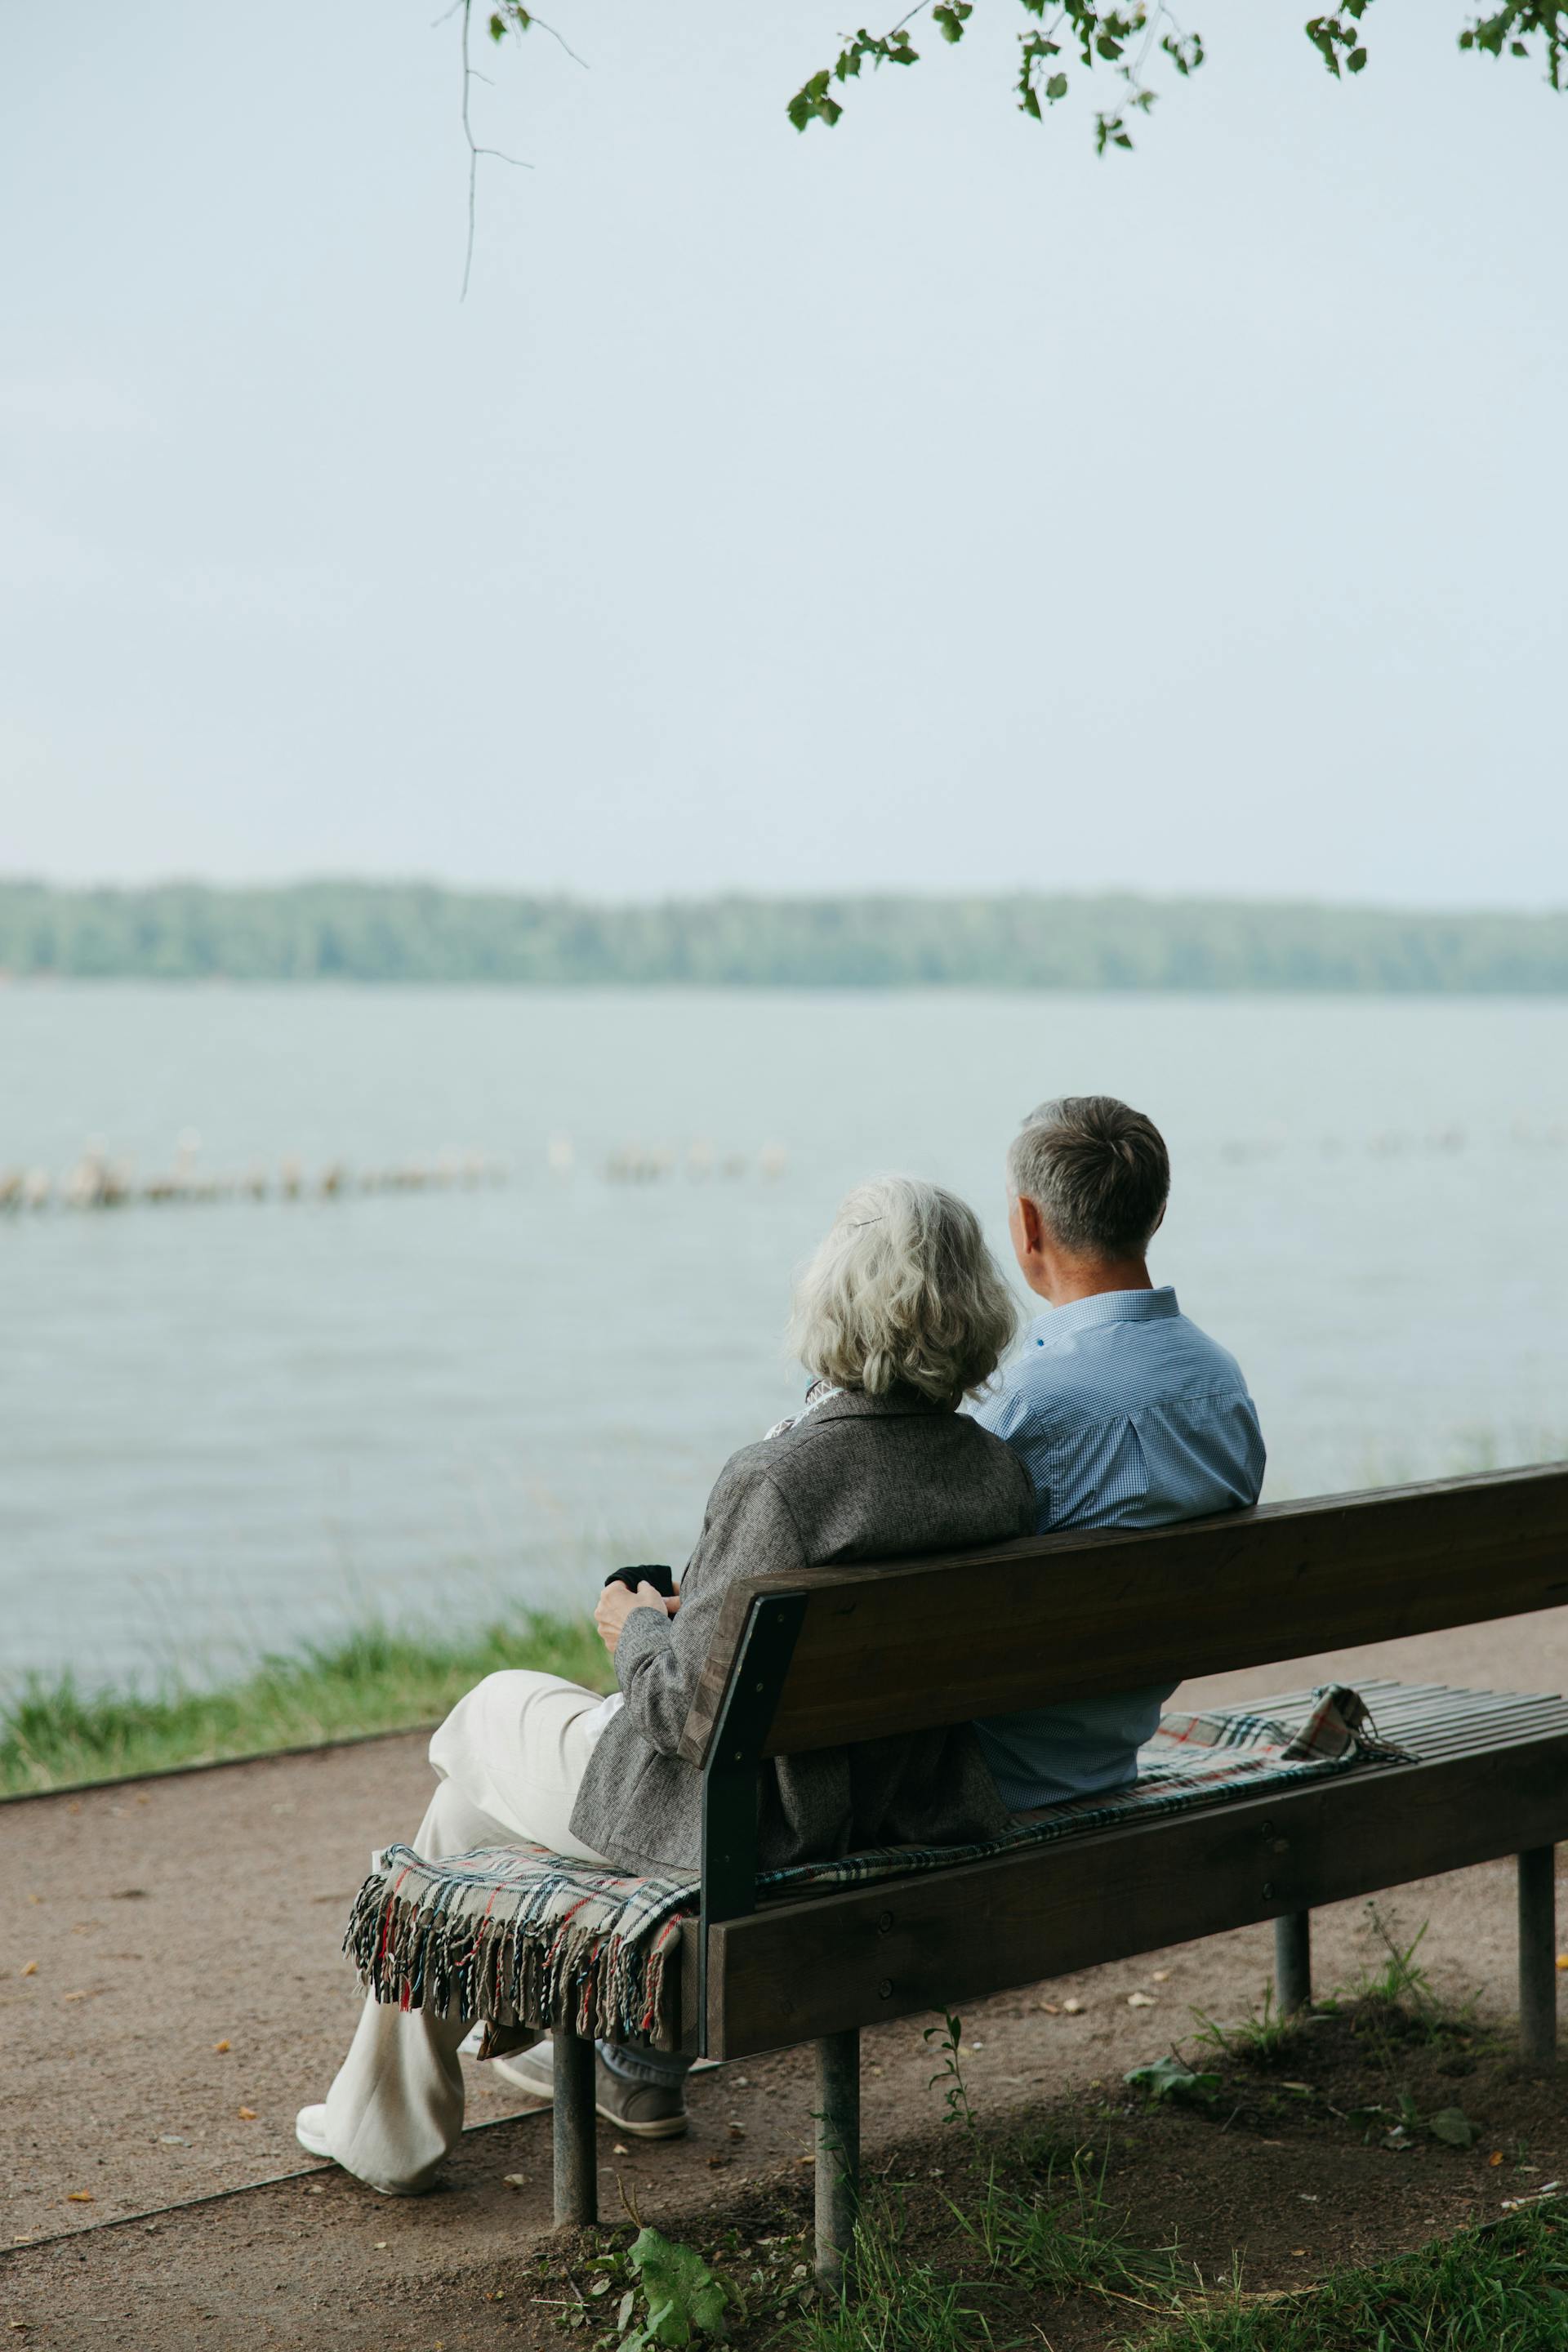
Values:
[(513, 1935)]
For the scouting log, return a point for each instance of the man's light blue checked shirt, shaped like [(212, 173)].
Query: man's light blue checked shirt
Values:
[(1125, 1415)]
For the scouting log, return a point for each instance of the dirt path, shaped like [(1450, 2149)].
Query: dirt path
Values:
[(144, 1927)]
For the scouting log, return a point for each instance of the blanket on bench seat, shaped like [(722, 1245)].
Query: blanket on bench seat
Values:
[(512, 1936)]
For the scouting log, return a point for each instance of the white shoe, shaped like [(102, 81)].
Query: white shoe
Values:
[(311, 2131)]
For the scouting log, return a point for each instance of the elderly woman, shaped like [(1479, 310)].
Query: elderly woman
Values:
[(900, 1315)]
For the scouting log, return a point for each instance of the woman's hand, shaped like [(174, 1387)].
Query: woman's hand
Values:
[(616, 1605)]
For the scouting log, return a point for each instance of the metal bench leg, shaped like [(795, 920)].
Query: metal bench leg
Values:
[(1293, 1963), (1538, 1955), (576, 2151), (838, 2153)]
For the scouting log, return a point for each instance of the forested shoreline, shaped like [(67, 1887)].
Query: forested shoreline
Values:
[(423, 932)]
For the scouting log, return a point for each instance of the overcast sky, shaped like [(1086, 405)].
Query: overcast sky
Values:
[(923, 504)]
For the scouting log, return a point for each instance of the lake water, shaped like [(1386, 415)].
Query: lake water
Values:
[(246, 1424)]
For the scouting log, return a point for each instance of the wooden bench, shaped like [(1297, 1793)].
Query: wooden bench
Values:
[(840, 1653)]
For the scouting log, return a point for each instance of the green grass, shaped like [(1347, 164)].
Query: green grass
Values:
[(1057, 2234), (1044, 2231), (894, 2303), (53, 1733), (1043, 2219), (1500, 2288), (1265, 2037)]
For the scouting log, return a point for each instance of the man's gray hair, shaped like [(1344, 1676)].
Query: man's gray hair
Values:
[(1097, 1173), (903, 1292)]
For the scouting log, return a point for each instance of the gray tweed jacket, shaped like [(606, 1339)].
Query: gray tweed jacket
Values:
[(860, 1478)]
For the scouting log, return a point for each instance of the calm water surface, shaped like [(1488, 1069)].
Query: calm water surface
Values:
[(244, 1424)]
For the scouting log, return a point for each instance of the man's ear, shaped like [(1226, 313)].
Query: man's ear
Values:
[(1159, 1220), (1030, 1223)]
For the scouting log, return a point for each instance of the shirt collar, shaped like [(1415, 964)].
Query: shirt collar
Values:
[(1104, 1306)]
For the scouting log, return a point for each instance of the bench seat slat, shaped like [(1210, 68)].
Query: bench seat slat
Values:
[(1425, 1710), (1470, 1739)]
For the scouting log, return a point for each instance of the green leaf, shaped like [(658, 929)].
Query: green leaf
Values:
[(1170, 2078), (1453, 2127), (684, 2297), (811, 103), (1057, 87)]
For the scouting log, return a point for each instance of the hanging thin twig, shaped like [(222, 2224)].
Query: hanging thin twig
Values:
[(470, 75)]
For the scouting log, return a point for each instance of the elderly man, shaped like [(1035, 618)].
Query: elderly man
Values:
[(1124, 1413)]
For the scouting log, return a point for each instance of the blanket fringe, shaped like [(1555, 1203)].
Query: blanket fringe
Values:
[(421, 1952)]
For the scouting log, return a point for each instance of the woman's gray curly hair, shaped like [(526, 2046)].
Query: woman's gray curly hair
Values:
[(903, 1292)]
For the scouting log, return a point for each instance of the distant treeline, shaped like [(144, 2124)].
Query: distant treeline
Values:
[(417, 932)]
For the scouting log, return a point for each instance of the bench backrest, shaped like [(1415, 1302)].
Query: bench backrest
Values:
[(904, 1646)]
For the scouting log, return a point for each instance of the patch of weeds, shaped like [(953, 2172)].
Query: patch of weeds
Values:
[(890, 2304), (1396, 2003), (1397, 2016), (1402, 2126), (1034, 2152), (1056, 2233), (656, 2290), (1401, 1982), (1264, 2038), (1063, 2238), (1499, 2288)]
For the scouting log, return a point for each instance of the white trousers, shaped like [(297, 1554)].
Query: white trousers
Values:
[(510, 1756)]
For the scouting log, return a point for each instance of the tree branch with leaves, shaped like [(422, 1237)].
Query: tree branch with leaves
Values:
[(1127, 41), (1067, 40)]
